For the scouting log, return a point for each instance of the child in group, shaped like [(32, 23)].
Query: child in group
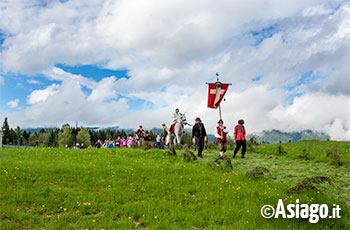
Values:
[(123, 142), (158, 144), (130, 141), (117, 142)]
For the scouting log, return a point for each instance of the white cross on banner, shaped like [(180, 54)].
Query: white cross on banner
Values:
[(216, 94)]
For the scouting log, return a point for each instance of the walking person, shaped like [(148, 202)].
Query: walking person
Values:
[(220, 134), (239, 140), (199, 136)]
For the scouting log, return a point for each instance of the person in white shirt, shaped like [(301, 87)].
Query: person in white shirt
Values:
[(220, 134)]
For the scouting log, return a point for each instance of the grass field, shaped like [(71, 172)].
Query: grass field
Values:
[(132, 188)]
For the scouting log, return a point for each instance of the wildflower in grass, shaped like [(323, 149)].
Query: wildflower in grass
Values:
[(43, 206), (65, 209), (93, 221), (155, 217), (129, 218)]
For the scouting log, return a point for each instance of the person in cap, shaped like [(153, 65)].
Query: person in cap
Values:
[(220, 134), (140, 135), (199, 136), (239, 133)]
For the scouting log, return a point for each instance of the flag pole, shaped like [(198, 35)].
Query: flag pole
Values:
[(217, 80)]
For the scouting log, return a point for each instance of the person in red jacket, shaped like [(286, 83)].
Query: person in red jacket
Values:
[(220, 134), (240, 138)]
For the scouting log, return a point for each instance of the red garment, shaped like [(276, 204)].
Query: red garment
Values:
[(239, 132), (219, 131), (173, 127), (216, 94)]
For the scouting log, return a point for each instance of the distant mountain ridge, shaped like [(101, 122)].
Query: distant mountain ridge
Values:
[(276, 136)]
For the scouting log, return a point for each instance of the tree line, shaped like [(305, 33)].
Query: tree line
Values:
[(58, 137)]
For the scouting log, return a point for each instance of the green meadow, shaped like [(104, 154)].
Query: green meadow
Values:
[(135, 188)]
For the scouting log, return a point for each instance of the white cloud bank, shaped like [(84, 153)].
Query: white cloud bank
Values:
[(171, 48)]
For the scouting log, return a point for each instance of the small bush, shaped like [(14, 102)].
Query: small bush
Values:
[(306, 155), (225, 161), (189, 155), (171, 152), (335, 156), (257, 172), (280, 150), (146, 145), (308, 184), (134, 146)]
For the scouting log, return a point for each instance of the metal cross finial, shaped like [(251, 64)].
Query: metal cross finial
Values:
[(217, 76)]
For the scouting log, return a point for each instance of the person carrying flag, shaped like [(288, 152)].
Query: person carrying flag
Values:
[(220, 134)]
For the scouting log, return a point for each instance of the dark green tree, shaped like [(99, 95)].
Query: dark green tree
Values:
[(6, 132)]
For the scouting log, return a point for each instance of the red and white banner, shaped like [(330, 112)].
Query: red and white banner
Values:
[(216, 94)]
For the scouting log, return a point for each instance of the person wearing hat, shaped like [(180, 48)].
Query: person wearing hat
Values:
[(199, 136), (239, 140), (220, 134), (140, 135)]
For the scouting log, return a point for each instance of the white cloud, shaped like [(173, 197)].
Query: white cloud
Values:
[(33, 81), (13, 104), (41, 95), (171, 48)]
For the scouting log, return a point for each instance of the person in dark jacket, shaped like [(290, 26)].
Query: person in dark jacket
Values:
[(199, 136)]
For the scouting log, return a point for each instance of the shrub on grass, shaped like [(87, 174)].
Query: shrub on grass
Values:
[(280, 150), (306, 155), (335, 156), (170, 152), (189, 155), (225, 161), (257, 172), (134, 146), (308, 184), (146, 145)]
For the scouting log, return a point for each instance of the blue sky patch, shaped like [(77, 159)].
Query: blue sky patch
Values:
[(260, 35), (305, 79), (255, 79), (94, 72)]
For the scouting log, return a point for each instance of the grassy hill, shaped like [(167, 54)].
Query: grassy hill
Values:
[(132, 188)]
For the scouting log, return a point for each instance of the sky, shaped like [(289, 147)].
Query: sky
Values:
[(131, 62)]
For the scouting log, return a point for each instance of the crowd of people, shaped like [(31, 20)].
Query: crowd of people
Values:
[(199, 137), (138, 138)]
